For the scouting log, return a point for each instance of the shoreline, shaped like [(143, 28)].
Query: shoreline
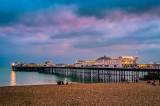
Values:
[(79, 83), (26, 85)]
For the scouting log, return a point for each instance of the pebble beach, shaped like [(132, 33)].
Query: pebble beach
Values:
[(113, 94)]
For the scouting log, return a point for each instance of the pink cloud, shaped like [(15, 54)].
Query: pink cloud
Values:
[(86, 31)]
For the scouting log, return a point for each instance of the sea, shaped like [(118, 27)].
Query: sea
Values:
[(12, 78)]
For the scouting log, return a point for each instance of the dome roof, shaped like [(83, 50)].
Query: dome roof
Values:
[(104, 58)]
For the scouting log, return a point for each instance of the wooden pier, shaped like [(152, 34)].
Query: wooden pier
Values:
[(86, 74)]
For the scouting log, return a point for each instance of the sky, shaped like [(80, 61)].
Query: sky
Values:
[(66, 30)]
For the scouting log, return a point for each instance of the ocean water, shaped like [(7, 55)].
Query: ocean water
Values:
[(11, 78)]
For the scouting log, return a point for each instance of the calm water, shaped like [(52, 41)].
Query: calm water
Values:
[(11, 78)]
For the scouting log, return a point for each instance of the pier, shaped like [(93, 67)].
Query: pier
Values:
[(88, 74)]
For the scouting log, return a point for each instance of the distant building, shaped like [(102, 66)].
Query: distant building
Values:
[(79, 63), (85, 63), (128, 61), (148, 66), (18, 63), (31, 65), (69, 65), (156, 66), (108, 62), (48, 63), (60, 65), (145, 66)]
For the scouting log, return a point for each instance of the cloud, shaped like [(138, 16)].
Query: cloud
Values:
[(11, 9), (62, 31)]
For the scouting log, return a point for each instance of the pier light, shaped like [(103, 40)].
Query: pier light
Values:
[(13, 64)]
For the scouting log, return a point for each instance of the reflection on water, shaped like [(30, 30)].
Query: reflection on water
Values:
[(13, 78), (31, 78)]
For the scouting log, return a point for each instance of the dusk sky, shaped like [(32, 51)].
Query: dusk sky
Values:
[(65, 30)]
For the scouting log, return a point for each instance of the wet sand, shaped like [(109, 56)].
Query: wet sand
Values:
[(122, 94)]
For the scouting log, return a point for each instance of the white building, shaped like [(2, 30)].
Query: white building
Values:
[(108, 62), (48, 63), (122, 61), (84, 63), (128, 61)]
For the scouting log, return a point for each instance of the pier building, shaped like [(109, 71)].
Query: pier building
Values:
[(108, 62)]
